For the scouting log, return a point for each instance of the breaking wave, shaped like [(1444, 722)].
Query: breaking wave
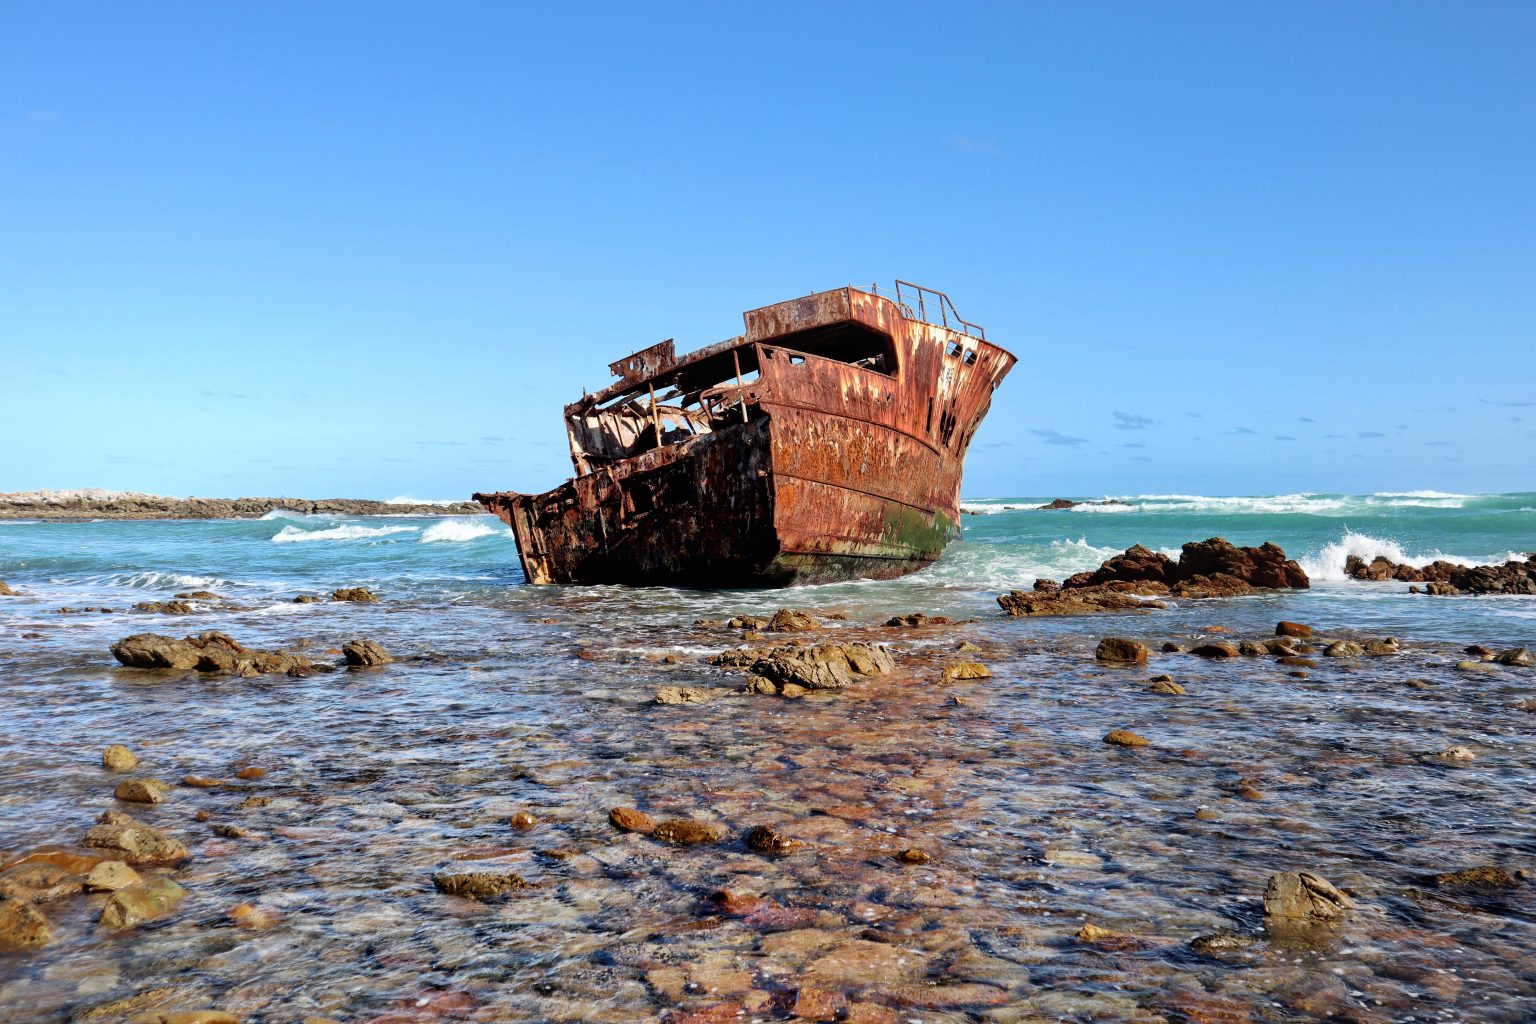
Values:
[(1328, 564), (459, 530), (293, 534)]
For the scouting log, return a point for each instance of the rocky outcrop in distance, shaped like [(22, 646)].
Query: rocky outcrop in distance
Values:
[(1208, 568), (1449, 578), (93, 504)]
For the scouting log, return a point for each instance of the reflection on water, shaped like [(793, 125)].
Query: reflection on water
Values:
[(511, 699)]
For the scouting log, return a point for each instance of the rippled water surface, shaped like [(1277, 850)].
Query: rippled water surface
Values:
[(507, 698)]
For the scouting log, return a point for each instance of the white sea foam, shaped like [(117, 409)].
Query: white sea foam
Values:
[(1328, 564), (293, 534), (284, 513), (1421, 494), (985, 508), (993, 567), (152, 580), (461, 528)]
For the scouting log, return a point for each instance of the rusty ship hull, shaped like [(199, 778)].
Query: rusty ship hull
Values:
[(825, 443)]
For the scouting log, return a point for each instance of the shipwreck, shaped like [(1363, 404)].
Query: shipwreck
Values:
[(823, 444)]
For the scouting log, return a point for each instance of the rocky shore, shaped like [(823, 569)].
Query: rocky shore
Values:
[(1449, 578), (96, 504)]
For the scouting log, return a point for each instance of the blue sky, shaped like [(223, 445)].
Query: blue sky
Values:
[(371, 249)]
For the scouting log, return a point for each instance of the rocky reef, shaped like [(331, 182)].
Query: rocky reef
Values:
[(98, 504), (1448, 578)]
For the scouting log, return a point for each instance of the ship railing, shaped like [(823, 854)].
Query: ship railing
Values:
[(932, 306)]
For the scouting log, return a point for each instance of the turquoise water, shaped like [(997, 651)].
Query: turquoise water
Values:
[(508, 698)]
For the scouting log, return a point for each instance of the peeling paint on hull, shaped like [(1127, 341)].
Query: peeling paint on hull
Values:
[(840, 459)]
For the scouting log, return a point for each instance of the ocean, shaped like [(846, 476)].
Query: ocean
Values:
[(508, 698)]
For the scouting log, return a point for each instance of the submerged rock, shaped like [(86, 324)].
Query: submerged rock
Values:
[(1301, 896), (966, 670), (1484, 876), (688, 832), (23, 926), (212, 652), (478, 885), (1165, 684), (111, 875), (39, 882), (764, 840), (1124, 738), (144, 901)]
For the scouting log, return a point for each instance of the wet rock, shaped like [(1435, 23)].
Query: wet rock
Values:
[(1220, 942), (164, 607), (211, 651), (1091, 932), (965, 647), (118, 758), (818, 1004), (627, 819), (914, 855), (360, 595), (1293, 629), (199, 595), (252, 917), (1479, 651), (862, 963), (1379, 648), (1165, 684), (792, 690), (477, 885), (788, 620), (1519, 657), (110, 876), (1026, 604), (365, 653), (523, 821), (1301, 896), (1458, 753), (943, 997), (1477, 667), (238, 832), (688, 832), (1216, 649), (708, 623), (309, 599), (1252, 649), (916, 620), (1484, 876), (684, 695), (818, 667), (6, 591), (1208, 568), (134, 842), (136, 904), (1169, 647), (199, 782), (748, 622), (22, 926), (1282, 646), (761, 684), (966, 670), (141, 791), (764, 840), (38, 882), (1116, 650), (1124, 738), (1343, 649)]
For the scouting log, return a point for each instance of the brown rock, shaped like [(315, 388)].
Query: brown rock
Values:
[(251, 772), (523, 821), (1163, 684), (817, 1004), (141, 791), (627, 819), (1343, 649), (1120, 651), (1303, 896), (1078, 601), (477, 885), (1295, 629), (787, 620), (1124, 738), (361, 595), (1485, 876), (110, 876), (118, 758), (1519, 657), (252, 917), (966, 670), (1217, 649), (165, 607), (685, 694), (199, 782), (688, 832), (38, 882), (136, 904), (134, 842), (764, 840), (365, 653), (22, 926)]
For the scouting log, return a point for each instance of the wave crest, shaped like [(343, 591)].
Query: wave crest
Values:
[(294, 534), (1328, 564), (460, 530)]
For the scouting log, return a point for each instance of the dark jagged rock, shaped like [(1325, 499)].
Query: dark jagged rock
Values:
[(477, 885), (365, 653), (819, 667), (360, 595), (1301, 896), (1447, 579), (1116, 650), (164, 607)]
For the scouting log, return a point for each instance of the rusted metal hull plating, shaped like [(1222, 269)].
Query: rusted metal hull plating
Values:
[(824, 444)]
